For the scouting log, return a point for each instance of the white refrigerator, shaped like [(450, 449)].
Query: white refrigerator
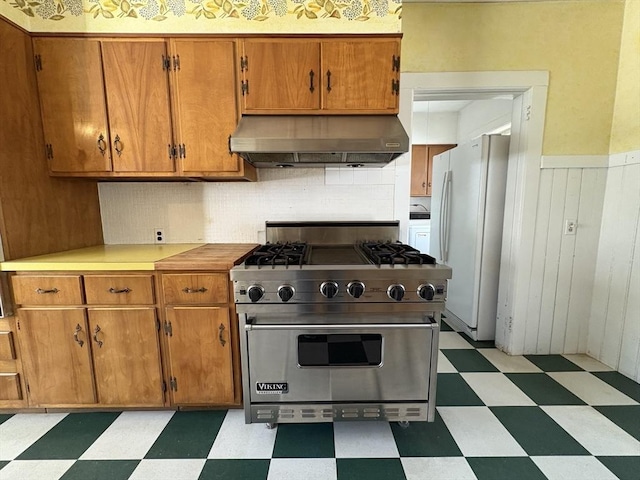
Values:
[(467, 210)]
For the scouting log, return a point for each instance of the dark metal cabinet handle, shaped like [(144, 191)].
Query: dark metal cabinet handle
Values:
[(311, 75), (328, 80), (117, 144), (122, 290), (223, 342), (194, 290), (102, 145), (41, 291), (95, 336), (77, 330)]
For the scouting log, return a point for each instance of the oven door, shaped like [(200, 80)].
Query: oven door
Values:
[(320, 362)]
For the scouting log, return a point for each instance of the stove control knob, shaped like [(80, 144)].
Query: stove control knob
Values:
[(426, 292), (285, 292), (256, 292), (396, 292), (329, 289), (355, 289)]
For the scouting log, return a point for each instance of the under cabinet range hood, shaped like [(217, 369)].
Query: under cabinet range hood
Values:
[(319, 140)]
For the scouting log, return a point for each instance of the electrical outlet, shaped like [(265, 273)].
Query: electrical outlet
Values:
[(158, 235), (570, 227)]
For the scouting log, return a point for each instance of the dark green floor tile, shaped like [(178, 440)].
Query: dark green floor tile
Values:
[(3, 463), (553, 363), (505, 468), (305, 440), (370, 469), (620, 382), (625, 468), (70, 437), (235, 470), (188, 435), (4, 417), (101, 470), (478, 344), (627, 417), (453, 391), (469, 360), (543, 389), (444, 327), (536, 432), (425, 439)]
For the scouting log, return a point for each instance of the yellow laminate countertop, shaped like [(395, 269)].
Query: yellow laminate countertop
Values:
[(100, 257)]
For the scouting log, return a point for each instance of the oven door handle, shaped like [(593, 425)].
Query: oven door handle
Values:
[(360, 326)]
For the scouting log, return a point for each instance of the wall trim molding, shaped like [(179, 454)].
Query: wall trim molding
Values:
[(574, 161), (623, 159)]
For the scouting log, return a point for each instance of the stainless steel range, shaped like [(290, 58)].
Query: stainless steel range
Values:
[(338, 321)]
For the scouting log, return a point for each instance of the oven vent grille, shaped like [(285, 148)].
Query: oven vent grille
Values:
[(337, 412)]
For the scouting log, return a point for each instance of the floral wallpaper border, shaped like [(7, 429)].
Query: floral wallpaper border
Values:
[(185, 15)]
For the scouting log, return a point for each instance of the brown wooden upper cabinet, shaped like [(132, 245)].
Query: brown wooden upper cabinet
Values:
[(139, 108), (422, 167), (317, 75)]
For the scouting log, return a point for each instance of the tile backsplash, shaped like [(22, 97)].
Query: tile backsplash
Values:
[(236, 212)]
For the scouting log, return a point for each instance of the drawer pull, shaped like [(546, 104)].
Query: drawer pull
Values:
[(75, 335), (95, 336), (41, 291), (123, 290), (220, 332), (194, 290)]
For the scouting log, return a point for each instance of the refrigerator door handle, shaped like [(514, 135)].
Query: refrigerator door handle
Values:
[(441, 219), (445, 217)]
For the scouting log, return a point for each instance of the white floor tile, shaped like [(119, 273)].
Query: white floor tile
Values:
[(168, 469), (303, 469), (594, 431), (35, 469), (479, 433), (591, 389), (444, 365), (437, 468), (495, 389), (587, 363), (573, 468), (508, 363), (129, 437), (22, 430), (239, 440), (364, 440), (452, 340)]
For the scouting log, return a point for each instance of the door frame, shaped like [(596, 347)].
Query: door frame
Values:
[(529, 89)]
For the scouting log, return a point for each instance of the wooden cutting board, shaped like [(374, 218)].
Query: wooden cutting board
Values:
[(213, 256)]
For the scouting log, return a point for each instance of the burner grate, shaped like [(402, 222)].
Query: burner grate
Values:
[(272, 254), (397, 253)]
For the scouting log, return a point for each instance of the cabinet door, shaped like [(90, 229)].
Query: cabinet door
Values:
[(205, 108), (432, 151), (137, 89), (282, 75), (200, 355), (419, 170), (358, 74), (126, 356), (56, 356), (72, 103)]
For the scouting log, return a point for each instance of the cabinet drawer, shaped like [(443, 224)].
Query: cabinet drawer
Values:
[(10, 386), (47, 290), (119, 289), (195, 289)]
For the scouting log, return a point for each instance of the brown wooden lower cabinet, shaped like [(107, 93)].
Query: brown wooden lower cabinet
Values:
[(56, 356), (200, 360), (126, 356)]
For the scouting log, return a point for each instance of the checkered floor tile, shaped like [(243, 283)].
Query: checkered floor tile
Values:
[(498, 417)]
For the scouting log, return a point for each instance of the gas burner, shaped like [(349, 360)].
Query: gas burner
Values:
[(273, 254), (395, 254)]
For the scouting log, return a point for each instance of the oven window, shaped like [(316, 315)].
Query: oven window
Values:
[(340, 350)]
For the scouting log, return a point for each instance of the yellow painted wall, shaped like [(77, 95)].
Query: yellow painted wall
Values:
[(578, 42), (625, 131)]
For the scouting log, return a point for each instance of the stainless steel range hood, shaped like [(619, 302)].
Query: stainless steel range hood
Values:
[(319, 140)]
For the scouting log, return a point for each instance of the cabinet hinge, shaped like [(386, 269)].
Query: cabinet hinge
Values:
[(174, 384), (38, 61), (395, 87), (166, 63), (49, 151), (245, 87), (396, 63), (182, 151), (176, 62), (173, 151), (244, 63), (168, 329), (18, 324)]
